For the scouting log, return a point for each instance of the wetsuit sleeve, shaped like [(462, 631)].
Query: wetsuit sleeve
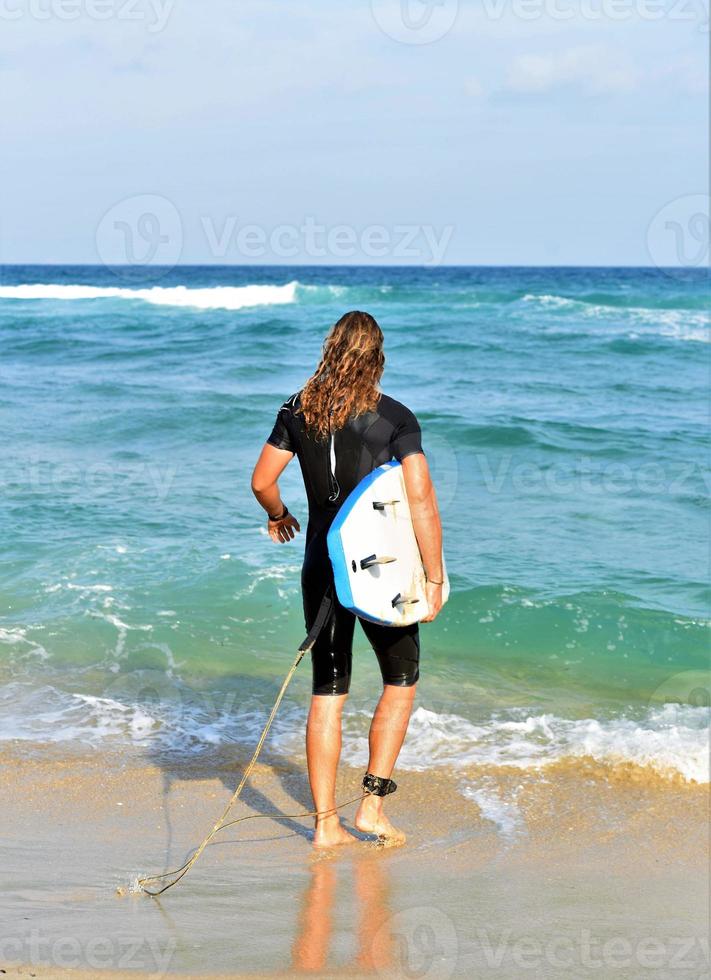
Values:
[(407, 436), (280, 436)]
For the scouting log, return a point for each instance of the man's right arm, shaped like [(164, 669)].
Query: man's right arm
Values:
[(427, 525)]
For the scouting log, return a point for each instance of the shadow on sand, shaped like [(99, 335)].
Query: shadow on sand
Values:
[(227, 763)]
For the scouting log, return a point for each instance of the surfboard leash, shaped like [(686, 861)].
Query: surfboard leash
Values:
[(178, 873)]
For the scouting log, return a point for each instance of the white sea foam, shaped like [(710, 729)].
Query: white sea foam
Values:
[(273, 573), (205, 298), (547, 300), (166, 721), (691, 325), (504, 814), (672, 739), (12, 636), (99, 587), (209, 298), (23, 647)]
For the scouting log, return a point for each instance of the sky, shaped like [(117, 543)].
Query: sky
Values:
[(543, 132)]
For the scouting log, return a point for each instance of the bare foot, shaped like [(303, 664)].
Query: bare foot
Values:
[(330, 832), (370, 819)]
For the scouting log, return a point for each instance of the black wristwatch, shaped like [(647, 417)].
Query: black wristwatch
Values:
[(280, 517)]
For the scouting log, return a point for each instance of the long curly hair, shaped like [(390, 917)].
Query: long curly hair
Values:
[(345, 383)]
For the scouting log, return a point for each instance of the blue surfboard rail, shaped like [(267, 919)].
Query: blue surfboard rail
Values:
[(335, 545)]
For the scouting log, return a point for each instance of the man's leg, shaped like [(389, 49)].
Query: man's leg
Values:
[(323, 750), (398, 651), (331, 662), (387, 733)]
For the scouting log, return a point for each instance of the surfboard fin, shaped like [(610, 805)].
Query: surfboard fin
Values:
[(382, 504), (376, 560), (402, 600)]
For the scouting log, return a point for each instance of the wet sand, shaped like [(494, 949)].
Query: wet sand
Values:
[(575, 871)]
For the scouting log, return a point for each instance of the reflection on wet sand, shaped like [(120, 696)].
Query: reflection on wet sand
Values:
[(371, 896)]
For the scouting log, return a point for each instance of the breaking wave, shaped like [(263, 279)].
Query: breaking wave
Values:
[(672, 739), (210, 298)]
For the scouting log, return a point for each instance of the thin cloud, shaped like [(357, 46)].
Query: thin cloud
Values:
[(593, 69)]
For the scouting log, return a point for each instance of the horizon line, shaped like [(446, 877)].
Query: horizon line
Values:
[(354, 265)]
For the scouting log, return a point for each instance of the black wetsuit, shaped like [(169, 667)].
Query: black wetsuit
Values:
[(366, 441)]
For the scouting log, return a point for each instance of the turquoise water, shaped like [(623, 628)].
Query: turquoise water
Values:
[(565, 414)]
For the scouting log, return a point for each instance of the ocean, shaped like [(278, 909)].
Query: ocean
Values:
[(565, 414)]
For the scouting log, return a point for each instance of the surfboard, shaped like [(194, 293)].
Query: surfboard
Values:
[(376, 561)]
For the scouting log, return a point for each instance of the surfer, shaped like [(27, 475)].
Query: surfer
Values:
[(340, 426)]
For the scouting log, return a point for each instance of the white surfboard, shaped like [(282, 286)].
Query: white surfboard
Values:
[(376, 561)]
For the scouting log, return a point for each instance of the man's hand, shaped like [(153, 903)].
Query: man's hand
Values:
[(434, 602), (283, 530)]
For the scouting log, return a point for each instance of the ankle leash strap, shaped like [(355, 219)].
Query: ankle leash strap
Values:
[(378, 785)]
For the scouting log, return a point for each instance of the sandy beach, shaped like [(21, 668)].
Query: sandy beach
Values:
[(599, 872)]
